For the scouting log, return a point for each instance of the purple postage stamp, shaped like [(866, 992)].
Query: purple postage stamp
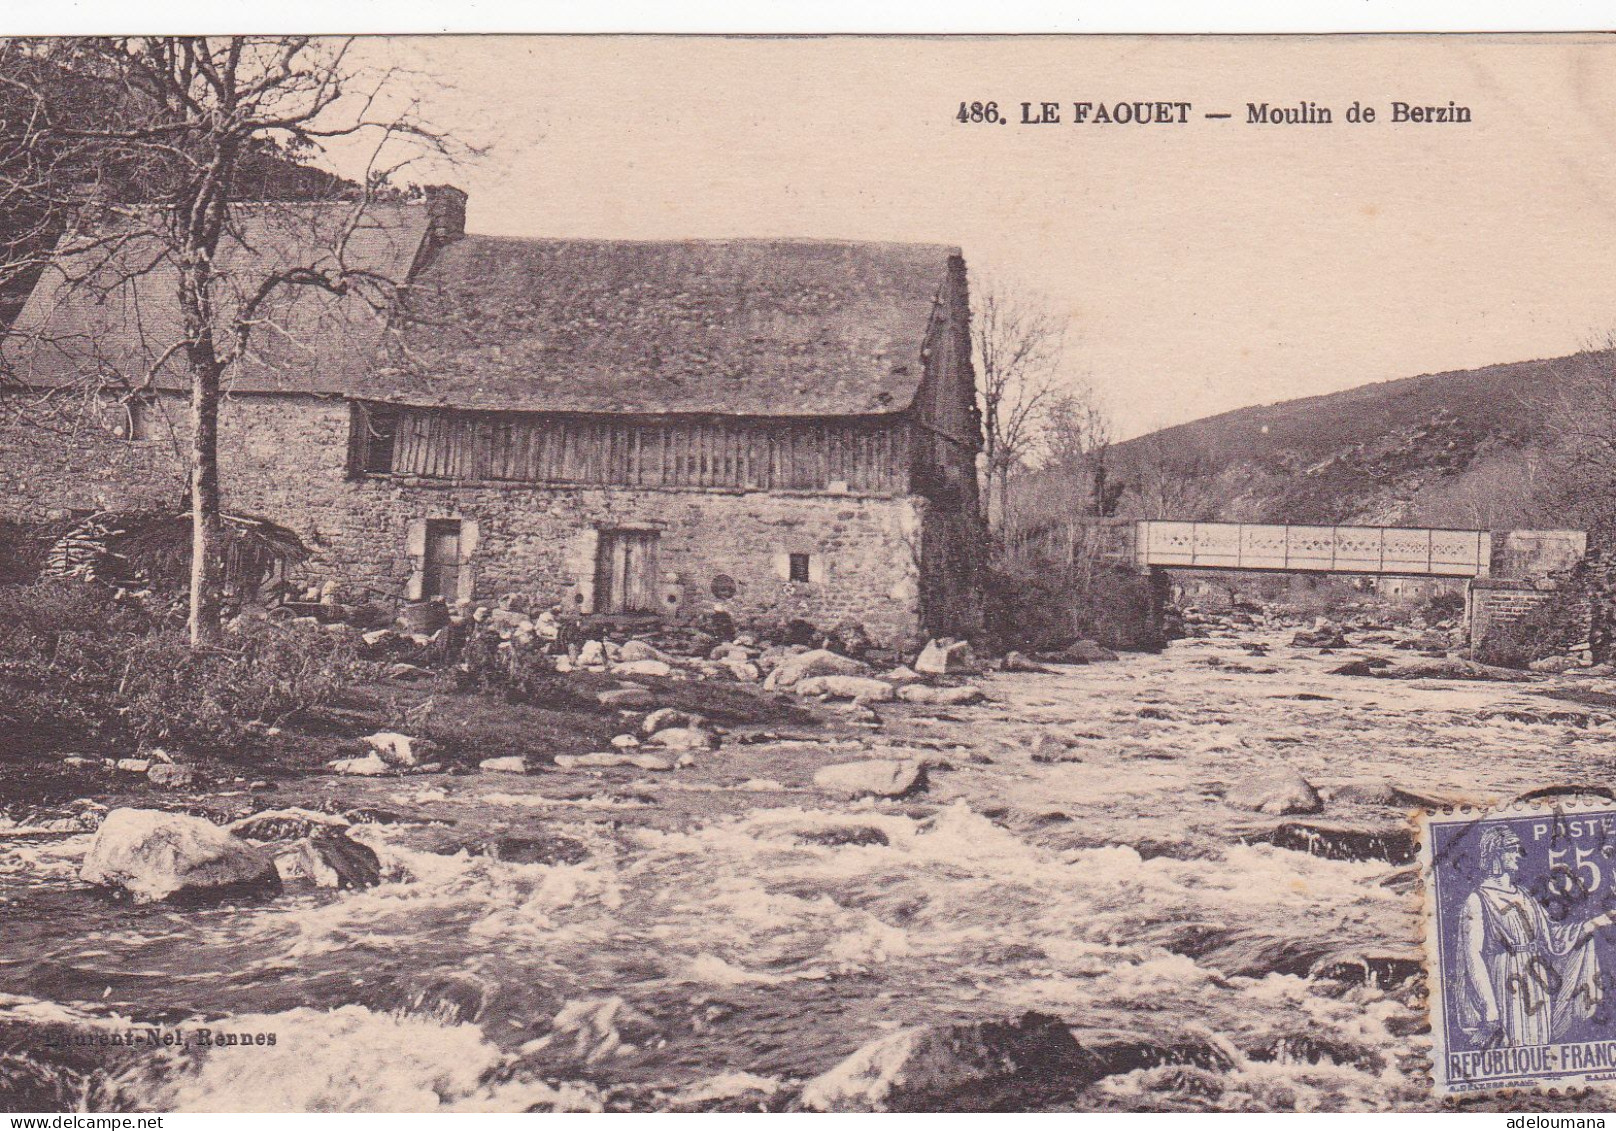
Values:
[(1520, 908)]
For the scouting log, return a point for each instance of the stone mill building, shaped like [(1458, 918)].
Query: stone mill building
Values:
[(781, 429)]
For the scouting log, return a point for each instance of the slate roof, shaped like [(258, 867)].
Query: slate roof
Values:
[(733, 327), (110, 306), (745, 327)]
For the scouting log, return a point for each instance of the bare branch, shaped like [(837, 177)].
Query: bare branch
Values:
[(1018, 345)]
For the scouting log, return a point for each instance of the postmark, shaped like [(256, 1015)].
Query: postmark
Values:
[(1520, 920)]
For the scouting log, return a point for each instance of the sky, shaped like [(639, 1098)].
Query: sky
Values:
[(1202, 267)]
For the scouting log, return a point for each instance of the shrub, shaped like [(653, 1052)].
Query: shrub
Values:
[(77, 665), (1444, 606), (1050, 608), (519, 673), (31, 612), (24, 547), (263, 673)]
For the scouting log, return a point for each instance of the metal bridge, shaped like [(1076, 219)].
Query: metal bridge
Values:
[(1394, 550)]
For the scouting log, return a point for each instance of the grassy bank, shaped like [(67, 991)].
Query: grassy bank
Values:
[(88, 679)]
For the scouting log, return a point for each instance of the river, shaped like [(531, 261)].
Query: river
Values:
[(714, 936)]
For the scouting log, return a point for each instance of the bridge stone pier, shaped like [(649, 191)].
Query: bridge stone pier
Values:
[(1507, 572)]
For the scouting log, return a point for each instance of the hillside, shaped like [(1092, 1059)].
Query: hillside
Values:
[(1460, 448)]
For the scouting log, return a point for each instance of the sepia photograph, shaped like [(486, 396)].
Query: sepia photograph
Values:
[(904, 573)]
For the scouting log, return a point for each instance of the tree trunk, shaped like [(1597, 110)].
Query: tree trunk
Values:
[(207, 567), (990, 456)]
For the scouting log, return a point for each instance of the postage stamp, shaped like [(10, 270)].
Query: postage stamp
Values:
[(1519, 904)]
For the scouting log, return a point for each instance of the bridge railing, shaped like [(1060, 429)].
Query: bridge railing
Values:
[(1326, 549)]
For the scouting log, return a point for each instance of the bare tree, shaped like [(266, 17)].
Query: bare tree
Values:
[(1164, 483), (1497, 491), (1579, 406), (1018, 343), (1576, 480), (175, 127), (1076, 443), (1068, 474)]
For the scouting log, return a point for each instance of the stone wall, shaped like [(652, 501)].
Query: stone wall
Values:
[(285, 458), (1494, 602), (1591, 584), (56, 458), (1536, 554)]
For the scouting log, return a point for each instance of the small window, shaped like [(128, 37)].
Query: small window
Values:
[(379, 443), (799, 567), (373, 430)]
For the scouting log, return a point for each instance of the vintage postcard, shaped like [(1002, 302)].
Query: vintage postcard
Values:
[(826, 574)]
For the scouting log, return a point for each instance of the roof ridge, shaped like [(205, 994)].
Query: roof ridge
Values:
[(337, 200), (737, 325), (821, 241)]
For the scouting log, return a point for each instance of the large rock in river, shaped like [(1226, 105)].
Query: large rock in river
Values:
[(659, 668), (395, 749), (806, 665), (152, 855), (685, 738), (636, 650), (953, 1067), (1329, 637), (1277, 790), (878, 777), (608, 759), (1368, 791), (940, 696), (368, 766), (945, 657), (664, 718), (846, 687), (286, 824), (329, 860), (625, 698), (1089, 652)]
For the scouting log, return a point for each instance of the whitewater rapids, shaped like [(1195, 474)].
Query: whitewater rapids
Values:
[(722, 934)]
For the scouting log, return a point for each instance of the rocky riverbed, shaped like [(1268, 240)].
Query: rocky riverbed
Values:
[(1060, 909)]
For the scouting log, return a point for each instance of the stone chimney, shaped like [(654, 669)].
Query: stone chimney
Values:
[(446, 213)]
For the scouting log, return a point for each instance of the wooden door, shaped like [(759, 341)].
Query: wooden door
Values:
[(440, 575), (626, 572)]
